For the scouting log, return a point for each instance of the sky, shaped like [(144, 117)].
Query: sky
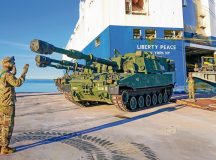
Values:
[(23, 20)]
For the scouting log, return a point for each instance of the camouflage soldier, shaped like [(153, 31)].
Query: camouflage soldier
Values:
[(7, 101), (191, 87)]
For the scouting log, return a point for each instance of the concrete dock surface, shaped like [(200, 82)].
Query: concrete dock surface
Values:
[(47, 127)]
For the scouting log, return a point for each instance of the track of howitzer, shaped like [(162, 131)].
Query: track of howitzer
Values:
[(117, 100)]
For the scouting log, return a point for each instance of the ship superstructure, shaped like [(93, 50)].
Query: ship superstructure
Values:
[(182, 30)]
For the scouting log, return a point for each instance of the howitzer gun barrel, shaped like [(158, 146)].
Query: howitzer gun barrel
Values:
[(42, 47), (43, 62), (60, 67), (47, 61), (54, 66)]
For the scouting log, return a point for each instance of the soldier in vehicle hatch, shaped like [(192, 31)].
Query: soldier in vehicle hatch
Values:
[(191, 87), (8, 82)]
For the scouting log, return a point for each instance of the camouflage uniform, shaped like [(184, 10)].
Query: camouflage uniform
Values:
[(8, 82), (7, 105), (191, 87)]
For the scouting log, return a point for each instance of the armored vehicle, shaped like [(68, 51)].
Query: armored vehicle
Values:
[(208, 63), (61, 82), (43, 62), (131, 81)]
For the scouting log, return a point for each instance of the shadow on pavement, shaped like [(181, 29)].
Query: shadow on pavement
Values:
[(94, 129)]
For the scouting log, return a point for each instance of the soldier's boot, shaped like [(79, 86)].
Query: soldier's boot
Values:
[(194, 99), (7, 150), (193, 96)]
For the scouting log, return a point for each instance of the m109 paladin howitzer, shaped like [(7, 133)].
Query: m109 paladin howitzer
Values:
[(131, 81), (61, 82)]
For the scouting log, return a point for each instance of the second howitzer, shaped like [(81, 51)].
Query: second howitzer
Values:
[(61, 82), (131, 81)]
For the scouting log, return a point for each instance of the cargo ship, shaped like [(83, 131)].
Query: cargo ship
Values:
[(182, 30)]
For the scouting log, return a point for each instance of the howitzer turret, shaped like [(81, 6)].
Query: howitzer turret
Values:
[(45, 48)]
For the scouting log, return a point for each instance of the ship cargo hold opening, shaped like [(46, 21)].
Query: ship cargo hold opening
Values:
[(194, 56)]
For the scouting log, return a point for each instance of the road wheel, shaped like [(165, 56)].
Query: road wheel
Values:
[(165, 97), (141, 102), (169, 93), (160, 98), (154, 99), (125, 97), (133, 103), (148, 100)]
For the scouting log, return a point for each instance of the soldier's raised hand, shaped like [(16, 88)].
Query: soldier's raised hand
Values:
[(25, 69)]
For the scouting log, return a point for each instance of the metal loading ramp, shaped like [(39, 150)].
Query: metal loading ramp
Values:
[(206, 76)]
